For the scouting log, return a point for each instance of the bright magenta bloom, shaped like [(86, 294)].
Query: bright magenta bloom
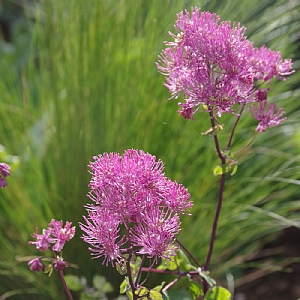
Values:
[(155, 235), (102, 233), (61, 234), (43, 241), (131, 190), (266, 117), (212, 63), (268, 64), (207, 63), (55, 234)]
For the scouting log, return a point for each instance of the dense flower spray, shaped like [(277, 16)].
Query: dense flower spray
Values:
[(215, 66), (56, 234), (131, 190), (217, 70)]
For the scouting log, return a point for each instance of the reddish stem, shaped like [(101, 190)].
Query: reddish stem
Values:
[(234, 127), (133, 288), (215, 224), (188, 253), (219, 205), (61, 274)]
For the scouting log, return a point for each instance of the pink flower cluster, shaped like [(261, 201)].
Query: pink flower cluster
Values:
[(212, 63), (55, 234), (4, 172), (131, 191)]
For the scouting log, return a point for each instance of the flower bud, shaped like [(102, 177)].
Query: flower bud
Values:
[(59, 264), (35, 265)]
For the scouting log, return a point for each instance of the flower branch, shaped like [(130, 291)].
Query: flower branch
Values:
[(213, 65)]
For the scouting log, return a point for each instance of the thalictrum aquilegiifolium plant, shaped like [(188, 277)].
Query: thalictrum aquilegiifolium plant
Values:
[(133, 219)]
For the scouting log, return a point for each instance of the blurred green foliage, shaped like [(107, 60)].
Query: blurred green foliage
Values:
[(78, 78)]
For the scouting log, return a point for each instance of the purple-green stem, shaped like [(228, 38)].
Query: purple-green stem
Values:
[(220, 200), (215, 224), (179, 273), (221, 190), (188, 253), (62, 277), (214, 229), (128, 267), (133, 287), (61, 274), (216, 219), (233, 128), (139, 271)]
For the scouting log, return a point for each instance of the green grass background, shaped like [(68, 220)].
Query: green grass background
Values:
[(81, 80)]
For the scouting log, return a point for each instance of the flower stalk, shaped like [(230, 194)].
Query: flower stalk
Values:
[(62, 277)]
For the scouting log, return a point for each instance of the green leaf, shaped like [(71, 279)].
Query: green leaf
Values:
[(205, 107), (165, 295), (121, 267), (129, 295), (155, 295), (142, 292), (195, 290), (133, 257), (86, 296), (218, 170), (123, 286), (180, 261), (98, 295), (205, 274), (171, 264), (107, 287), (168, 264), (74, 283), (213, 131), (179, 294), (224, 169), (135, 263), (159, 287), (218, 293), (183, 261), (234, 170), (98, 282), (49, 269)]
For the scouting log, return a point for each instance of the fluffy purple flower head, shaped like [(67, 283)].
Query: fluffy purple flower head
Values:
[(207, 63), (4, 172), (43, 241), (130, 183), (102, 233), (268, 64), (266, 117), (212, 63), (55, 234), (155, 235), (61, 234), (128, 190), (36, 265)]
